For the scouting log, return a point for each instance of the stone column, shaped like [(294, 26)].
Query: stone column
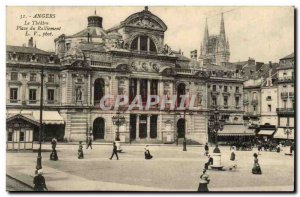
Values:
[(148, 87), (138, 87), (137, 127), (148, 127), (139, 43), (89, 90), (148, 44)]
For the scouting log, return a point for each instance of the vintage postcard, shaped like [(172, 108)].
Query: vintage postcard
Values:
[(153, 98)]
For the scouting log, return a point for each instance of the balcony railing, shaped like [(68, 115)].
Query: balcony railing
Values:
[(288, 111), (286, 79)]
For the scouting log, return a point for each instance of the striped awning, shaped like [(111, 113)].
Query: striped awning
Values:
[(281, 135), (266, 132), (236, 130)]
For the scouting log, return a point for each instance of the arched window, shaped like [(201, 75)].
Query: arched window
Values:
[(143, 43)]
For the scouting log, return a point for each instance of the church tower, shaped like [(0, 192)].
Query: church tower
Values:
[(215, 48)]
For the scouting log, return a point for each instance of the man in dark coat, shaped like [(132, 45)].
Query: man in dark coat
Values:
[(53, 142), (209, 162), (39, 182), (89, 144), (206, 148), (115, 152), (80, 151)]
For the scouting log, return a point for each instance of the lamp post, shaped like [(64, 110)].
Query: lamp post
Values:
[(39, 157), (118, 120), (215, 123)]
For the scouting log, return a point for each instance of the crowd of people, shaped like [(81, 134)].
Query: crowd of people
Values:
[(40, 184)]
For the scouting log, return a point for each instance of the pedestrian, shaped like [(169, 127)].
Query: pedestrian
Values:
[(204, 181), (206, 148), (89, 144), (292, 148), (39, 182), (217, 150), (147, 153), (53, 155), (278, 148), (256, 167), (53, 143), (232, 159), (115, 152), (209, 162), (80, 151)]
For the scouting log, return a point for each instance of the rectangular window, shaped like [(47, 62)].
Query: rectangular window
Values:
[(32, 95), (225, 88), (237, 89), (214, 88), (51, 78), (214, 101), (32, 77), (269, 108), (269, 98), (50, 95), (22, 136), (13, 95), (237, 101), (68, 45), (225, 101), (14, 76)]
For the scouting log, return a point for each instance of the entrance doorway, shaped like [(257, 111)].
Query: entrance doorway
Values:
[(98, 128), (181, 128)]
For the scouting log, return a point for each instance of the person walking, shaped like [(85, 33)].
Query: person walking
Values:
[(80, 151), (53, 143), (115, 152), (204, 181), (147, 153), (256, 167), (209, 162), (89, 144), (53, 155), (206, 148), (39, 182), (232, 159)]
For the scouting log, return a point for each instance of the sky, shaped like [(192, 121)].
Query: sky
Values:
[(263, 33)]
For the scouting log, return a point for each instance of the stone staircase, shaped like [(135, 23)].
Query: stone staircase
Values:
[(78, 123)]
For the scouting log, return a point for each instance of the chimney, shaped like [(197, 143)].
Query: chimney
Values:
[(194, 54), (30, 42), (270, 64)]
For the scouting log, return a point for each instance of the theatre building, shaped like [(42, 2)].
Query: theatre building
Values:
[(129, 59)]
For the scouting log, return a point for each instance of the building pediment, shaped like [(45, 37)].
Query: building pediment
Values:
[(145, 19)]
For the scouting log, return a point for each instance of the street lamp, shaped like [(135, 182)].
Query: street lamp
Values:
[(215, 123), (118, 120), (39, 157)]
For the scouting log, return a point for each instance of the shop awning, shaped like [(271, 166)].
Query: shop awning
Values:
[(236, 130), (49, 117), (281, 135), (266, 132)]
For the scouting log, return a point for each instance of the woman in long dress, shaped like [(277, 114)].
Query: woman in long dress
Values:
[(147, 153), (256, 167), (204, 181)]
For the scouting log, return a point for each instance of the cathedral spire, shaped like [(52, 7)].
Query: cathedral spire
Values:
[(206, 35), (205, 39), (222, 29)]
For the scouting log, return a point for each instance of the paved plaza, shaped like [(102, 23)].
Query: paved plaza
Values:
[(171, 169)]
